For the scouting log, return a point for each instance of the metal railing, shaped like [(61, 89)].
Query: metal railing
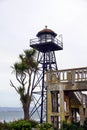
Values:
[(46, 40)]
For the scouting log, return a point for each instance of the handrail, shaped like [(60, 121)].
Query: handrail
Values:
[(46, 40), (69, 75), (78, 94)]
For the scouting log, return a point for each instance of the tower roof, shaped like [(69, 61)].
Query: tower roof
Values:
[(46, 31)]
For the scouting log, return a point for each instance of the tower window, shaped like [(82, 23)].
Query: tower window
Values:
[(46, 38)]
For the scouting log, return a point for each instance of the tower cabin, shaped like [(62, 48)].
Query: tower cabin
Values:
[(46, 41)]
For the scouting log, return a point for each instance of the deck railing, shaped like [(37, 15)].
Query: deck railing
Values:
[(69, 75), (46, 40)]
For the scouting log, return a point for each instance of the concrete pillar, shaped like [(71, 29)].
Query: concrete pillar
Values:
[(81, 115), (75, 115), (62, 113), (49, 106), (85, 112)]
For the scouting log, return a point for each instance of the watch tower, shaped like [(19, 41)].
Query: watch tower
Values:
[(46, 44)]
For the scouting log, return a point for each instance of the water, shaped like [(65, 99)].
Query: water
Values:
[(10, 114)]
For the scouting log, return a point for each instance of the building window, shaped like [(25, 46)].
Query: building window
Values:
[(54, 97)]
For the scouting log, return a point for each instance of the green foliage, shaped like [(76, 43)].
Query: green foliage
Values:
[(27, 61), (3, 125), (71, 126), (29, 124), (33, 123), (85, 124), (45, 126), (80, 128), (19, 125)]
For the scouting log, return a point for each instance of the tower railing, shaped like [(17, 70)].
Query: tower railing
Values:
[(46, 40)]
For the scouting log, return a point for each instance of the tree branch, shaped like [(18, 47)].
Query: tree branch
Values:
[(18, 78), (12, 85), (29, 83)]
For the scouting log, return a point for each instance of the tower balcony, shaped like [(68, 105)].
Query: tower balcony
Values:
[(47, 44)]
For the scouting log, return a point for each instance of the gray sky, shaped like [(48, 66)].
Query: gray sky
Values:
[(20, 20)]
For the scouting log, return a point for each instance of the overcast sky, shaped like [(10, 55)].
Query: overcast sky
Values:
[(20, 20)]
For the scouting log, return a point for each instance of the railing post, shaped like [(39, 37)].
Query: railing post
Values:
[(73, 76), (69, 76)]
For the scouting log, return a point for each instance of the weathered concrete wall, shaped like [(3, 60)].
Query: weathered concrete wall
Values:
[(68, 81)]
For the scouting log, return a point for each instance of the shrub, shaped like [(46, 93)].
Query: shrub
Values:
[(45, 126), (71, 126), (33, 123), (85, 124), (80, 128), (3, 126), (19, 125)]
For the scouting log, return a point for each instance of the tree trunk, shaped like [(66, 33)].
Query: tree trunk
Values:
[(26, 111)]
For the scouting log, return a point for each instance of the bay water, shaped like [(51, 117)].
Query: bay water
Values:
[(8, 114)]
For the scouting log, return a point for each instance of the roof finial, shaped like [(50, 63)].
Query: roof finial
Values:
[(46, 26)]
